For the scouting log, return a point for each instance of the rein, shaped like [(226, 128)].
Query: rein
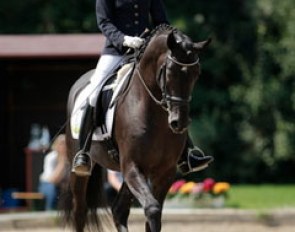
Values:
[(166, 98), (162, 103)]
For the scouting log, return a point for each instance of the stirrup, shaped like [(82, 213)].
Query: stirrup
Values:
[(195, 148), (84, 170), (186, 166), (196, 169)]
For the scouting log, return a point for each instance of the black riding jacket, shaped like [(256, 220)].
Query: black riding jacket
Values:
[(117, 18)]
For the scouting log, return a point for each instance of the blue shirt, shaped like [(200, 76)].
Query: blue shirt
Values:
[(117, 18)]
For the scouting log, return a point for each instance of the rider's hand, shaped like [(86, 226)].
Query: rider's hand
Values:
[(132, 42)]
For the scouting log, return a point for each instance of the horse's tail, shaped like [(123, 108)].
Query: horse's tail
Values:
[(95, 200)]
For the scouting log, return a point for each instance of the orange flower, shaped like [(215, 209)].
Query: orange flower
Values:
[(187, 188), (221, 187)]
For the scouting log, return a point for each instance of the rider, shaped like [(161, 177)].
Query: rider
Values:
[(122, 21)]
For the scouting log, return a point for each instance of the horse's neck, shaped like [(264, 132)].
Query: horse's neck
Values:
[(153, 58), (147, 81)]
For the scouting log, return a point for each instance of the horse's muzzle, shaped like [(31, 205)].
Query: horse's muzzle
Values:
[(178, 121)]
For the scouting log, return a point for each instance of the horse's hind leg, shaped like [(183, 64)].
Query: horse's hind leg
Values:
[(121, 208), (138, 185), (79, 188)]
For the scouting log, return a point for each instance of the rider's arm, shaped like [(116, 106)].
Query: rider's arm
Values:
[(105, 16)]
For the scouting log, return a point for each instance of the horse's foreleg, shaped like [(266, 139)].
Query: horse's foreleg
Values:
[(121, 208), (160, 185), (79, 188), (138, 185)]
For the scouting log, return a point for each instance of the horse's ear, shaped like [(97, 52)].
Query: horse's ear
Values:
[(201, 45), (172, 40)]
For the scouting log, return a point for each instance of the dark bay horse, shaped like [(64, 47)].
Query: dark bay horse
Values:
[(150, 131)]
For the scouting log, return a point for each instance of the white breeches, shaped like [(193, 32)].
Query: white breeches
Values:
[(104, 66)]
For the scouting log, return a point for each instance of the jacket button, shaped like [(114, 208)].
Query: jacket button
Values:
[(136, 14), (136, 22), (136, 6)]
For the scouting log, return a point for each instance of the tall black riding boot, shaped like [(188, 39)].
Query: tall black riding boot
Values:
[(82, 163), (193, 159)]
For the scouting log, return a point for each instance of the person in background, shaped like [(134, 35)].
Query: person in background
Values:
[(113, 184), (54, 172), (115, 179)]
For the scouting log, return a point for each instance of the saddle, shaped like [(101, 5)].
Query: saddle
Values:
[(112, 90)]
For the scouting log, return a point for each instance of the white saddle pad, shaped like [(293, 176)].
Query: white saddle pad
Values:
[(80, 103)]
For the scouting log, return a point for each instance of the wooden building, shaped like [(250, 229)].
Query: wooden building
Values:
[(36, 73)]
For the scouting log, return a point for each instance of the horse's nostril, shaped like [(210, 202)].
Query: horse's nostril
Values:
[(174, 124)]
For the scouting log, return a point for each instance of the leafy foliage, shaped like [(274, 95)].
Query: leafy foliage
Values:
[(243, 107), (47, 16)]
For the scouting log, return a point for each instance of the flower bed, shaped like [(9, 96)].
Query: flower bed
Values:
[(206, 194)]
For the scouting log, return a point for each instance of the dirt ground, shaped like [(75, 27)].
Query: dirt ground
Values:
[(191, 227), (174, 220)]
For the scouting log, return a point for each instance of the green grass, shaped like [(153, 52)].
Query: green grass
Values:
[(261, 196)]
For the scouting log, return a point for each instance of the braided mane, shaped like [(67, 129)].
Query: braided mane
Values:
[(160, 29)]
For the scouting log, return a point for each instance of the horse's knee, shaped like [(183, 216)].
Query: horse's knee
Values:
[(153, 211)]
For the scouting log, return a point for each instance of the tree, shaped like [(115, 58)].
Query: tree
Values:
[(48, 16)]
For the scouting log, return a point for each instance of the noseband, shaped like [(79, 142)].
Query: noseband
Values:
[(174, 60), (166, 98)]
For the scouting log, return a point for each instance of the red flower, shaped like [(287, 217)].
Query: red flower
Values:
[(208, 184), (176, 186)]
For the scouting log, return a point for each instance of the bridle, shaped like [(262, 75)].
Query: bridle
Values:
[(161, 79)]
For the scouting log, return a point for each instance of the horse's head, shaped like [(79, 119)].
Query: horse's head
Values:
[(179, 74)]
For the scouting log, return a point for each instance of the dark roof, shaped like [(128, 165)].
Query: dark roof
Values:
[(51, 46)]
